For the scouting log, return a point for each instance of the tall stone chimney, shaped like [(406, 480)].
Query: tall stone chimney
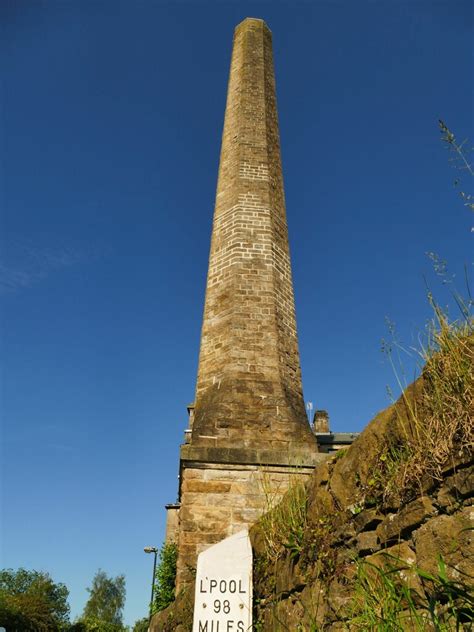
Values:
[(249, 379), (249, 418)]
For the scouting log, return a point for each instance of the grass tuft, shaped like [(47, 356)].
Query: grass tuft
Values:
[(436, 423), (284, 521), (386, 599)]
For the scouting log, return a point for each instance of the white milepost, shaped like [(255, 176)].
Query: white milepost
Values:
[(223, 597)]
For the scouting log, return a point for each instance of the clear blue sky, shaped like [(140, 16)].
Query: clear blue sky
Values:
[(111, 116)]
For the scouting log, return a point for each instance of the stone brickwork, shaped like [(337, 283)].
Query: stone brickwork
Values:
[(219, 500), (249, 380), (172, 523), (247, 427), (223, 490)]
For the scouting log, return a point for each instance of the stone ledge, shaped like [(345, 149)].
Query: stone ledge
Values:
[(248, 456)]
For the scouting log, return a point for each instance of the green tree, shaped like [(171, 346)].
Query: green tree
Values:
[(141, 625), (31, 601), (165, 579), (91, 624), (103, 610)]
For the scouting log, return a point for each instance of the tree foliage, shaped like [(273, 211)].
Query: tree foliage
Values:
[(31, 602), (165, 579), (92, 624), (141, 625), (103, 610)]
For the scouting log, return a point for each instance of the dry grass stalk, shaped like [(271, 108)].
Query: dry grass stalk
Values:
[(438, 425)]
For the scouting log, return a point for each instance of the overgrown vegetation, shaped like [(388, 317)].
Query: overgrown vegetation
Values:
[(284, 520), (436, 423), (319, 550), (165, 580), (386, 598)]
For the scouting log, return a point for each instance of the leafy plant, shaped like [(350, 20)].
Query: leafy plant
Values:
[(165, 579), (319, 550), (340, 453)]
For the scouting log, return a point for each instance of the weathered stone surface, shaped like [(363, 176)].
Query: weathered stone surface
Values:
[(461, 483), (308, 607), (172, 523), (178, 616), (320, 503), (206, 486), (401, 558), (292, 455), (289, 576), (320, 475), (314, 603), (456, 489), (458, 458), (342, 530), (249, 377), (367, 542), (396, 526), (339, 597), (217, 502), (446, 500), (367, 519), (450, 537)]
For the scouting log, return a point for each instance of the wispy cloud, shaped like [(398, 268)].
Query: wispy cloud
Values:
[(23, 265)]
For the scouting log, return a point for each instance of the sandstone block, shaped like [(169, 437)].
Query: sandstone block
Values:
[(397, 526), (367, 542), (452, 539), (461, 483), (400, 558), (206, 487), (367, 519)]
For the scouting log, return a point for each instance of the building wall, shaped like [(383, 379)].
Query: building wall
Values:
[(218, 500)]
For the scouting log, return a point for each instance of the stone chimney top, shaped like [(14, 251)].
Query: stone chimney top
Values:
[(255, 21), (321, 422)]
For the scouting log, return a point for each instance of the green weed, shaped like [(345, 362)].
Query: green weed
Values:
[(387, 599), (284, 521)]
